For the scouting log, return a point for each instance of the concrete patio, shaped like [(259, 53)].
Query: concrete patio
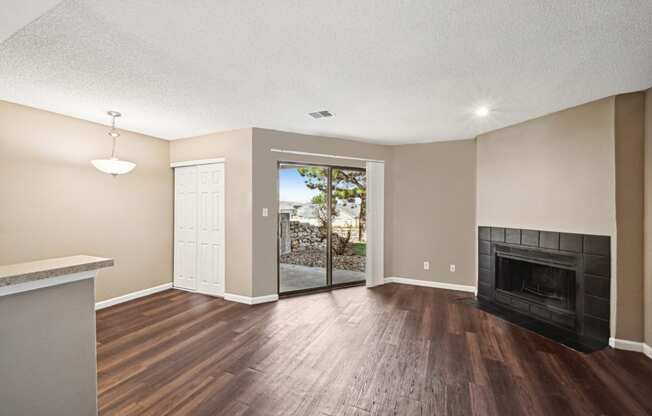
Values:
[(295, 277)]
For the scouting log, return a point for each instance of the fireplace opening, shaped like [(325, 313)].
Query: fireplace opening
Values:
[(544, 284)]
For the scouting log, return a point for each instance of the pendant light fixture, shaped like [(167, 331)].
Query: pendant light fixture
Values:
[(113, 166)]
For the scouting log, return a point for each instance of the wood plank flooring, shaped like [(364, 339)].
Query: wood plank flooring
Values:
[(392, 350)]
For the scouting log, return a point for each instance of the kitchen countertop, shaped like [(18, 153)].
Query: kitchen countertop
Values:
[(19, 273)]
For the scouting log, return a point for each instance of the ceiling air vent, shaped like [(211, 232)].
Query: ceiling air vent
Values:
[(321, 114)]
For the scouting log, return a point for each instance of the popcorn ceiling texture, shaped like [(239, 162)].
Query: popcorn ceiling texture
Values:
[(391, 71), (16, 14)]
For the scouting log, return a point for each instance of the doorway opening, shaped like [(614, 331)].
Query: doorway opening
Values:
[(322, 237)]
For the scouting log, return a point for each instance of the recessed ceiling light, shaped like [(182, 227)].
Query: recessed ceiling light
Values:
[(482, 111)]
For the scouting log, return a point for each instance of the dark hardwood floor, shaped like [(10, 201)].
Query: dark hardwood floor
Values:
[(395, 349)]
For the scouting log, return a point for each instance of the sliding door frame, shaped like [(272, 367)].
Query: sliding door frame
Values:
[(329, 229)]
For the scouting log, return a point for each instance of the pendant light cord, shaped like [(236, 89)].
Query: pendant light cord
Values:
[(114, 134)]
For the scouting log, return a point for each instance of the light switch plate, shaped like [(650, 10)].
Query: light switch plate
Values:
[(265, 212)]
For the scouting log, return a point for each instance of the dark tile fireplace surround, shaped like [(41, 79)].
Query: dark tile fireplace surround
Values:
[(556, 284)]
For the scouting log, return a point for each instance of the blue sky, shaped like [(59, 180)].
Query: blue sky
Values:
[(292, 187)]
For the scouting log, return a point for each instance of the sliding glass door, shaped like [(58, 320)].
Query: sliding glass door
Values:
[(348, 215), (321, 232), (303, 228)]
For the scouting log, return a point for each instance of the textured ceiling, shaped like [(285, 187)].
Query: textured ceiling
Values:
[(16, 14), (390, 71)]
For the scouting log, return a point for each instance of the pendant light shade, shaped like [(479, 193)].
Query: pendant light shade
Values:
[(113, 165)]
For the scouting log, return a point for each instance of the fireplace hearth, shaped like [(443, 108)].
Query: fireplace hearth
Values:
[(560, 279)]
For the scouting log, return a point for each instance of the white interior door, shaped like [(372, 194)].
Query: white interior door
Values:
[(185, 227), (199, 228), (210, 229)]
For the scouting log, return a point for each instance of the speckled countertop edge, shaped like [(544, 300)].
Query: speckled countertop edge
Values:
[(61, 266)]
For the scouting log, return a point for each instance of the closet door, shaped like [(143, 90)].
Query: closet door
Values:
[(210, 229), (185, 227)]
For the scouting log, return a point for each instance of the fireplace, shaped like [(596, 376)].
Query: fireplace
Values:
[(544, 284), (560, 279)]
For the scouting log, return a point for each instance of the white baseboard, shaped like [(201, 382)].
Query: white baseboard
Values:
[(647, 350), (247, 300), (427, 283), (622, 344), (133, 295)]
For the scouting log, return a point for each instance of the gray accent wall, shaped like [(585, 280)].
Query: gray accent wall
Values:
[(51, 331)]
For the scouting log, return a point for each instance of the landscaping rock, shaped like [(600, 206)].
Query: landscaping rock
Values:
[(317, 258)]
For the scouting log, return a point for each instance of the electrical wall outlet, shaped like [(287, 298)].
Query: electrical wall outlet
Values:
[(426, 265), (265, 212), (452, 268)]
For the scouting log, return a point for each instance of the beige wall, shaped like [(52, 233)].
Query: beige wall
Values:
[(630, 172), (265, 184), (434, 216), (58, 349), (551, 173), (55, 203), (236, 147), (648, 217)]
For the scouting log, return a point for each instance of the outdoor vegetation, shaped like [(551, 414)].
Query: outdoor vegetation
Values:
[(308, 224), (349, 187)]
